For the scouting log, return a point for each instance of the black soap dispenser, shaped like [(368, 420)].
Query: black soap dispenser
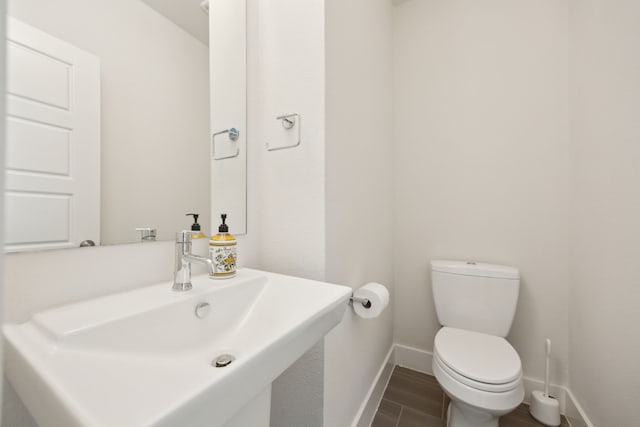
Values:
[(196, 233)]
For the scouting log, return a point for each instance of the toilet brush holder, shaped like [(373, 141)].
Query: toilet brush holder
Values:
[(545, 409)]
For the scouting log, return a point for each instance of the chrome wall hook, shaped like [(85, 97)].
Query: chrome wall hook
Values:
[(288, 122), (234, 134)]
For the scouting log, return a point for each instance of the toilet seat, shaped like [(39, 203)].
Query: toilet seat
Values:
[(481, 361)]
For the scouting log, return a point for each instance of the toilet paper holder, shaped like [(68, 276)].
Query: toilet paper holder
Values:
[(364, 301)]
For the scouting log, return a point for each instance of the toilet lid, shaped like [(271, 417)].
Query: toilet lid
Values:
[(480, 357)]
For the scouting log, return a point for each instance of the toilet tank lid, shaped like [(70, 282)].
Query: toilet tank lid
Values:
[(470, 268)]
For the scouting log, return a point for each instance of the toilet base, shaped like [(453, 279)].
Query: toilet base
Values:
[(460, 414)]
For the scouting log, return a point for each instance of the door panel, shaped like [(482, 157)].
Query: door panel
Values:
[(34, 75), (53, 142), (28, 137)]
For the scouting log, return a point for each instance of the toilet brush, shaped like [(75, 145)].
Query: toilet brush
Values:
[(545, 408)]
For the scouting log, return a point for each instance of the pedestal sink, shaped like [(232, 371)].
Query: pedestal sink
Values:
[(148, 357)]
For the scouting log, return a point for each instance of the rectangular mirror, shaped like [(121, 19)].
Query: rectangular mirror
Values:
[(144, 96), (228, 58)]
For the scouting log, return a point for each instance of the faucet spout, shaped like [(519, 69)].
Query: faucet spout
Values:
[(200, 260), (184, 258)]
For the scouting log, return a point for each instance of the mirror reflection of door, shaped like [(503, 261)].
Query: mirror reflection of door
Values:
[(155, 122), (53, 142)]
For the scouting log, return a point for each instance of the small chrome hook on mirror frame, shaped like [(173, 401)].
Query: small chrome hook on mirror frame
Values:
[(234, 134)]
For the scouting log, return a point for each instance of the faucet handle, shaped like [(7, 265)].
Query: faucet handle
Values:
[(183, 236), (147, 234)]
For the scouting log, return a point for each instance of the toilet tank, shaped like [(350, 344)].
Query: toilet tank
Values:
[(475, 296)]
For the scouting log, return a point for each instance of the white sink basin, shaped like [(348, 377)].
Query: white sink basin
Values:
[(143, 358)]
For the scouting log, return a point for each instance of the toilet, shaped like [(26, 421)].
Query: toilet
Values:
[(476, 367)]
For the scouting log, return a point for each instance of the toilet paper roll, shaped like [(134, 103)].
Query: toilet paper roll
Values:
[(377, 295)]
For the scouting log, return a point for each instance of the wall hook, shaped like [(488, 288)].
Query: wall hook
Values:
[(288, 122)]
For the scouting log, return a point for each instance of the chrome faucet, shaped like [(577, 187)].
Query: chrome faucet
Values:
[(184, 258)]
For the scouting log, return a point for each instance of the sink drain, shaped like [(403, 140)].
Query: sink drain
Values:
[(223, 360)]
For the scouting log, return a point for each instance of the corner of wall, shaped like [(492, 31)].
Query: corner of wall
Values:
[(3, 31)]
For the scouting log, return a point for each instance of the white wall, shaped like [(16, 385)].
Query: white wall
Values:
[(605, 151), (155, 110), (286, 188), (39, 280), (359, 180), (480, 160), (286, 218), (2, 151)]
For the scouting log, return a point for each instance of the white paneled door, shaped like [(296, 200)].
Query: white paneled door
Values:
[(53, 142)]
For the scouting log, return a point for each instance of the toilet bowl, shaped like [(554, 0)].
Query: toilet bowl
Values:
[(473, 362), (480, 373)]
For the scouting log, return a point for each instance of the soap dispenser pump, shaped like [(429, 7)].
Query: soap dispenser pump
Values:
[(196, 232), (222, 251)]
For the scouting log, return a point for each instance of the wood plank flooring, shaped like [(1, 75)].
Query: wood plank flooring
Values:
[(414, 399)]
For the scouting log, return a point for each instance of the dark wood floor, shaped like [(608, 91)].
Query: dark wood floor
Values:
[(413, 399)]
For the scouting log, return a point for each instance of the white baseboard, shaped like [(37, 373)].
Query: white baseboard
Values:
[(420, 360), (575, 414), (369, 406), (414, 358)]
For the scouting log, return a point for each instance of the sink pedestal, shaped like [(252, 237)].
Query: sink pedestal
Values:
[(256, 413)]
